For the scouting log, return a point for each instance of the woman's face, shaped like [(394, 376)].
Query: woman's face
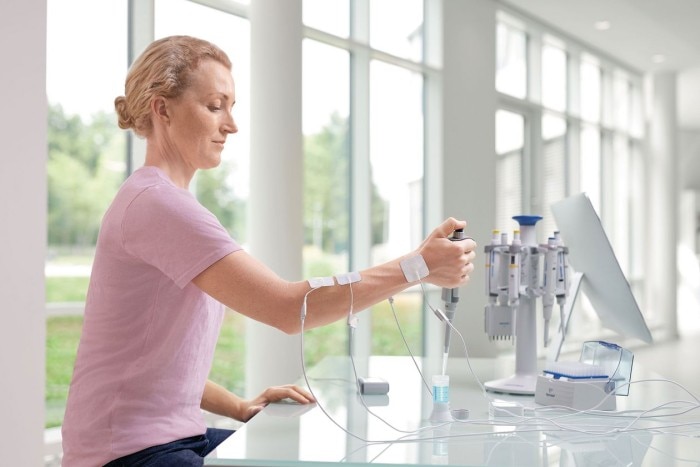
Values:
[(200, 118)]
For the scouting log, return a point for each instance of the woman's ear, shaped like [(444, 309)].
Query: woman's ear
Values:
[(159, 109)]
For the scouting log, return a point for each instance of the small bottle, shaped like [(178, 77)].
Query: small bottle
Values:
[(441, 389), (441, 399)]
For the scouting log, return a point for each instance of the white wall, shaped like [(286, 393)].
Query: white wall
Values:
[(23, 122)]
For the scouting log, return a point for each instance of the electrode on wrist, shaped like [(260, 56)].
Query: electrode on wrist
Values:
[(414, 268)]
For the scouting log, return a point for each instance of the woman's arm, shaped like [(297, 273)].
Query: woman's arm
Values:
[(246, 285), (217, 399)]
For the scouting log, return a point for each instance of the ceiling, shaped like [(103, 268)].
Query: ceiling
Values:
[(639, 31)]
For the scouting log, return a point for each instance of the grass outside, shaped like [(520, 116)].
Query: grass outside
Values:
[(63, 334), (66, 289), (228, 369)]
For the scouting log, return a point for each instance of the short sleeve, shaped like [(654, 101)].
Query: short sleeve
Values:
[(167, 228)]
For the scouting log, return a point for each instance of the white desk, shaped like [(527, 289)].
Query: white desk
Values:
[(290, 435)]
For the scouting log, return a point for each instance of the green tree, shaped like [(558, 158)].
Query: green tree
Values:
[(327, 189), (216, 194), (86, 164)]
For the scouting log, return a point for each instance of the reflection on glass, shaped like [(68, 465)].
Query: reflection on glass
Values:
[(326, 96), (511, 61), (224, 191), (590, 86), (332, 16), (590, 164), (510, 147), (396, 27), (85, 70), (396, 159), (553, 77)]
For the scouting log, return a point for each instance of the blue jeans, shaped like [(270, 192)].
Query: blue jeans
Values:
[(183, 452)]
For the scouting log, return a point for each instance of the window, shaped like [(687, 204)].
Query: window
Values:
[(368, 88), (398, 34), (590, 91), (554, 77), (332, 16), (396, 158), (511, 61), (580, 131), (590, 164), (510, 151), (85, 69), (554, 173), (326, 81)]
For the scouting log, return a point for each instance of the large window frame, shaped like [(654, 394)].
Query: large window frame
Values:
[(358, 45)]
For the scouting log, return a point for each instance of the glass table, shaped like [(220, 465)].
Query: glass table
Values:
[(395, 429)]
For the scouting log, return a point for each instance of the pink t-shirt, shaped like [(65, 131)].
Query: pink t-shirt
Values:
[(149, 334)]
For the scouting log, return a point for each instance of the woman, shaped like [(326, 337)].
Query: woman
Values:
[(165, 268)]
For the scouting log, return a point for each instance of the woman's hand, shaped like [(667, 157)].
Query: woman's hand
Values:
[(274, 394), (449, 262)]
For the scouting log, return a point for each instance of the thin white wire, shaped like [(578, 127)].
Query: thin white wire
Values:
[(362, 400), (447, 322), (628, 428), (318, 403), (408, 348)]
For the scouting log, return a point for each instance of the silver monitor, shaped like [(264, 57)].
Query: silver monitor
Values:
[(591, 254)]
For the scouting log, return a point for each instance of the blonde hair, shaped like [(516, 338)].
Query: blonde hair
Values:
[(162, 70)]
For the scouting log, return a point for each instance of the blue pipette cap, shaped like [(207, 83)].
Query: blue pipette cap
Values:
[(527, 220)]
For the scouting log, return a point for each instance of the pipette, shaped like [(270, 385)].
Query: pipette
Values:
[(450, 297)]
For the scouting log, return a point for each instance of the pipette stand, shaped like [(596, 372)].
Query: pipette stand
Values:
[(524, 380), (514, 282)]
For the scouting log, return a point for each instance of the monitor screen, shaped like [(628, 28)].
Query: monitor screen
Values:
[(591, 254)]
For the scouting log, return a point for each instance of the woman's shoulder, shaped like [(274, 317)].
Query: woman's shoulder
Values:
[(150, 185)]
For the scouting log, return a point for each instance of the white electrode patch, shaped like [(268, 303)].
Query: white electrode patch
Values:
[(316, 282), (348, 278), (414, 268)]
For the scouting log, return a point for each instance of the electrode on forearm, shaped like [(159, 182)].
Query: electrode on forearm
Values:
[(348, 278), (316, 282), (414, 268)]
